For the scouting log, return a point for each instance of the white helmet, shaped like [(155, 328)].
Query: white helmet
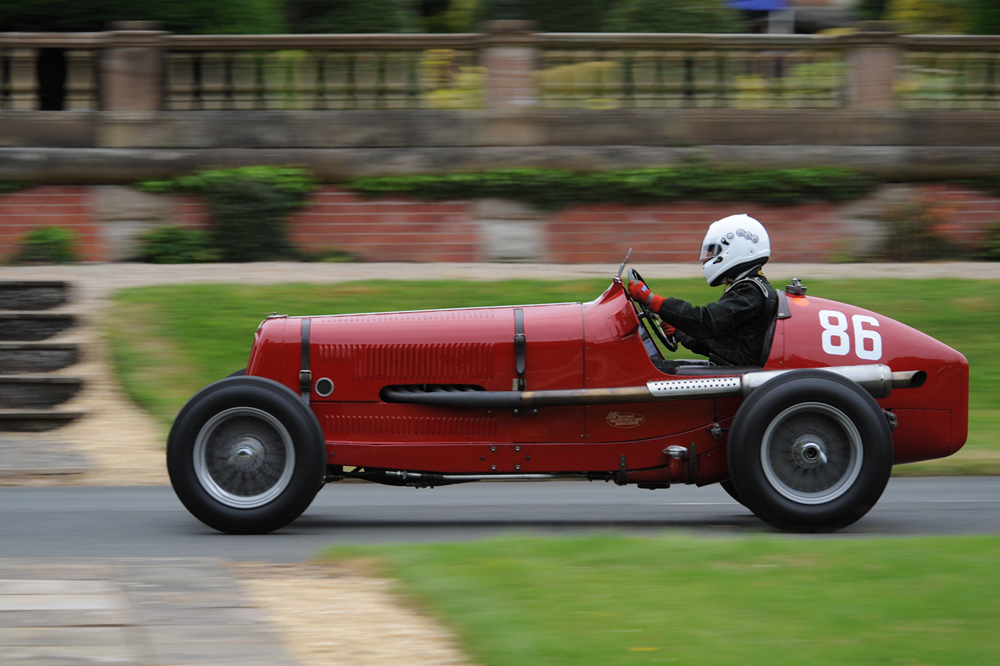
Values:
[(732, 245)]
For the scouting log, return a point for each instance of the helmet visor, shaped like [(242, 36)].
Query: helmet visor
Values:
[(710, 251)]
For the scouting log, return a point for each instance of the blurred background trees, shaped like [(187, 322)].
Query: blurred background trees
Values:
[(351, 16), (442, 16), (367, 16), (973, 17), (671, 16), (181, 16)]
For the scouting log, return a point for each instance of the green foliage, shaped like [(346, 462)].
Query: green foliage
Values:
[(8, 186), (449, 84), (351, 16), (550, 15), (181, 16), (713, 16), (982, 17), (46, 245), (289, 180), (991, 248), (926, 17), (553, 189), (990, 183), (327, 255), (973, 17), (450, 16), (871, 10), (248, 220), (175, 245), (588, 82), (248, 206)]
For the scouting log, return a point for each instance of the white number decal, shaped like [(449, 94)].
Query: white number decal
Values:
[(868, 343), (837, 340)]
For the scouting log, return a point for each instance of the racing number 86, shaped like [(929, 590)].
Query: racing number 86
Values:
[(837, 336)]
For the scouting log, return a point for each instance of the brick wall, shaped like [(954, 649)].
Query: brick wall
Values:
[(967, 215), (396, 229), (70, 207), (673, 233), (388, 229)]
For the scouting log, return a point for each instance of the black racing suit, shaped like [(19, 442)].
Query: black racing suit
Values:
[(733, 330)]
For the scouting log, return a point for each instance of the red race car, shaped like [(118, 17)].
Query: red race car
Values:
[(806, 441)]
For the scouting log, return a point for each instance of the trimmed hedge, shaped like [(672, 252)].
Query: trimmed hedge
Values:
[(552, 189), (248, 208)]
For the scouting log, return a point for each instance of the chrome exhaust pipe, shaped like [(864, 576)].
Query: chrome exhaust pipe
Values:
[(878, 380), (425, 479)]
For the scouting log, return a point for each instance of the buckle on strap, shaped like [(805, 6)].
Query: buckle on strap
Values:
[(305, 374), (520, 345)]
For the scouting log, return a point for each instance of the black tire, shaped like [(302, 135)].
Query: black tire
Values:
[(810, 451), (730, 489), (246, 456)]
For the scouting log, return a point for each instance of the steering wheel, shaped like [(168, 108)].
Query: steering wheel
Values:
[(669, 341)]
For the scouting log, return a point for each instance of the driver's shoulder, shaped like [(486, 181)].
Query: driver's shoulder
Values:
[(754, 285)]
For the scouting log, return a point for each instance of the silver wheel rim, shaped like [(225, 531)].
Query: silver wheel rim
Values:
[(244, 457), (812, 453)]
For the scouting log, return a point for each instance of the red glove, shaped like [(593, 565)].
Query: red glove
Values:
[(667, 329), (640, 292)]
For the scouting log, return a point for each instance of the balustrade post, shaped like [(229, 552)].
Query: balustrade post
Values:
[(509, 56), (23, 82), (132, 68), (872, 62)]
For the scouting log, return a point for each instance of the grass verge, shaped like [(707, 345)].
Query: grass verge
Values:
[(168, 342), (677, 599)]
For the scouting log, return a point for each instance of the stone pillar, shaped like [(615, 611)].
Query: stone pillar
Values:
[(23, 80), (124, 214), (132, 68), (81, 79), (509, 56), (872, 59), (781, 22), (510, 231)]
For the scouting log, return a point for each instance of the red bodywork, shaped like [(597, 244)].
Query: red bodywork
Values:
[(352, 358)]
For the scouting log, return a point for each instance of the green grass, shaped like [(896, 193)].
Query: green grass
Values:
[(768, 600), (170, 341)]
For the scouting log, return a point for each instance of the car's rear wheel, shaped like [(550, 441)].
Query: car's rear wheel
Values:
[(245, 455), (810, 451)]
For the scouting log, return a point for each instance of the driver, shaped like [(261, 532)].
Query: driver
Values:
[(733, 330)]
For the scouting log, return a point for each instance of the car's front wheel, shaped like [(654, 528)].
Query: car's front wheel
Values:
[(245, 455), (810, 451)]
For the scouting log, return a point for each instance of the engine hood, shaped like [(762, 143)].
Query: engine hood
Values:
[(353, 357)]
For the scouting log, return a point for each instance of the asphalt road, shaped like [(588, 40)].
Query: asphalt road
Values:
[(150, 522)]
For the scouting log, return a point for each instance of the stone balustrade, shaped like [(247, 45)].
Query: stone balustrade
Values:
[(505, 67), (133, 103)]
